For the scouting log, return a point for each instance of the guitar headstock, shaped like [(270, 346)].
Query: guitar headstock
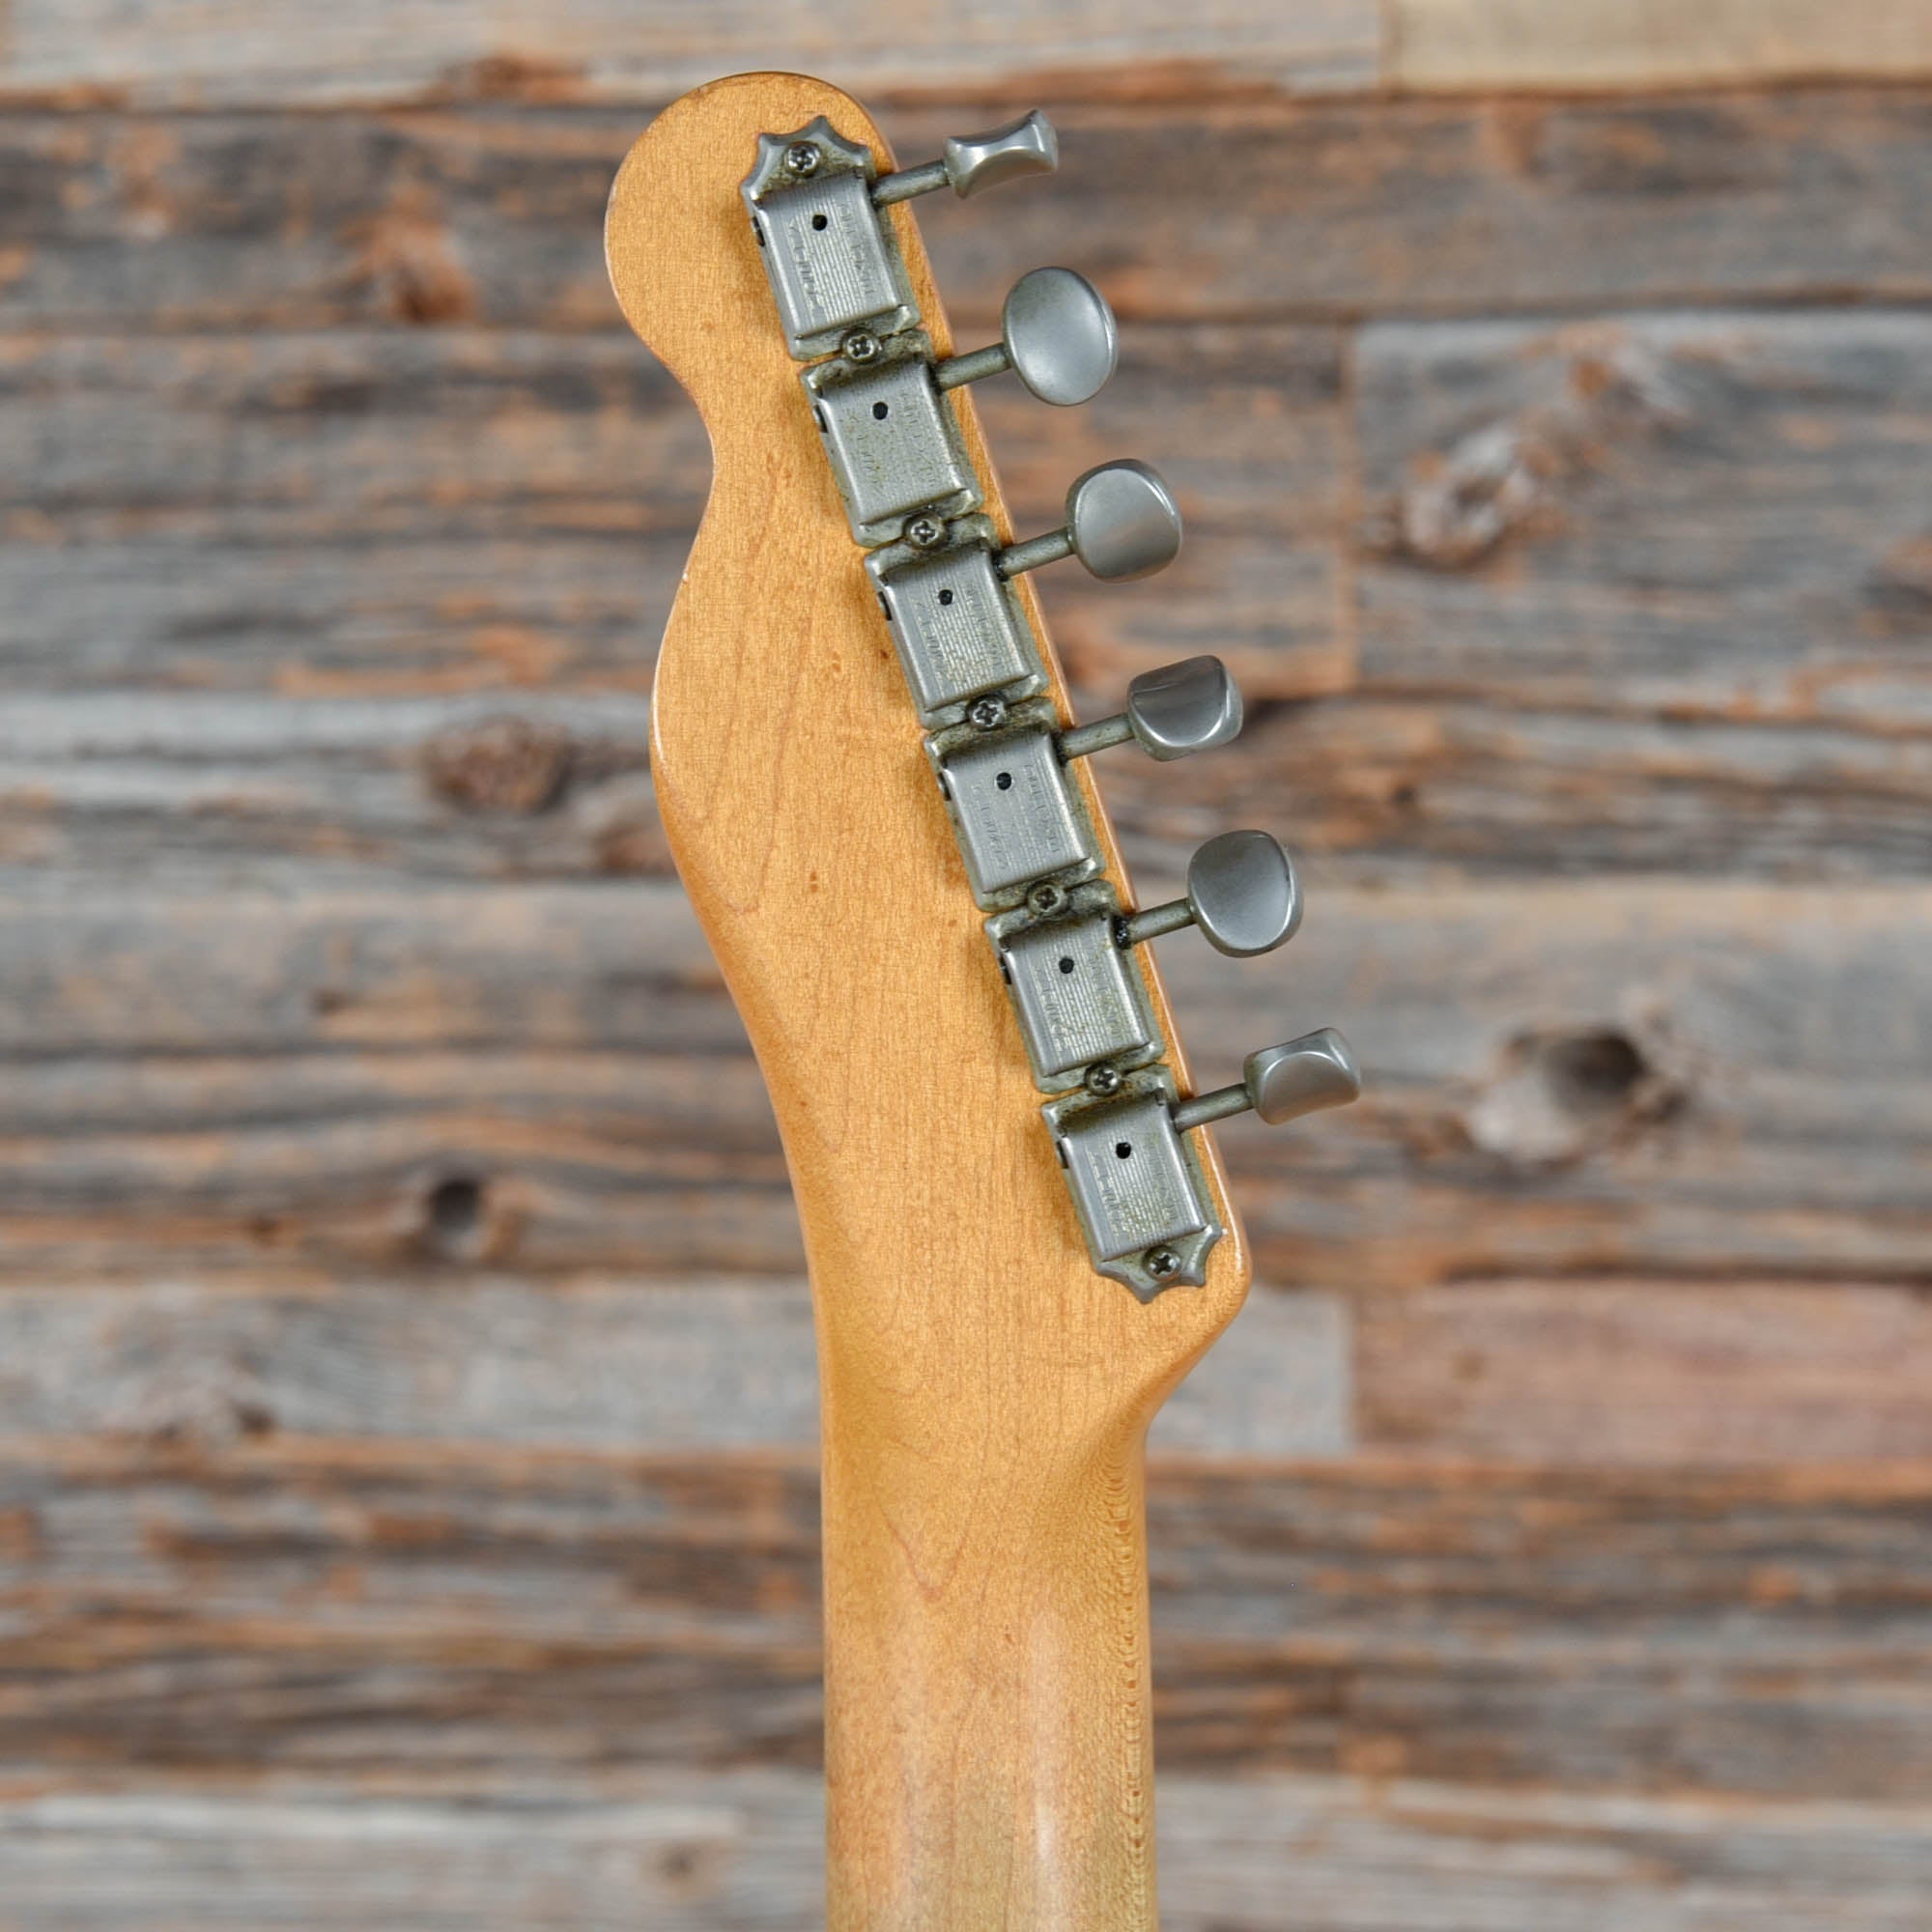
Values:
[(871, 783)]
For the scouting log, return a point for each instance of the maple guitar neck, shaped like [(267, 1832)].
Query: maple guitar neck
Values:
[(985, 1390)]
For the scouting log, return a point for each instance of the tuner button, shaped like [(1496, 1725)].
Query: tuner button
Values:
[(1058, 338), (1318, 1070), (1243, 892), (976, 162), (1121, 522), (1181, 708), (1245, 896), (1060, 333), (1282, 1083)]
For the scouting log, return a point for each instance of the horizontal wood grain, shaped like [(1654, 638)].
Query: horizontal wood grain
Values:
[(521, 786), (1712, 515), (357, 559), (1648, 1372), (387, 517), (1681, 1078), (387, 1614), (473, 1356), (1579, 1374), (591, 49), (1649, 44), (654, 49), (1316, 211), (381, 1168), (741, 1852)]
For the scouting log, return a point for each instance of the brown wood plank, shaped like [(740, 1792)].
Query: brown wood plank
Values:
[(1577, 1374), (1648, 1372), (386, 603), (742, 1852), (1673, 1079), (1313, 209), (1650, 44), (654, 48), (385, 515), (1712, 516), (472, 1355), (384, 1614), (583, 49), (522, 784), (1486, 783)]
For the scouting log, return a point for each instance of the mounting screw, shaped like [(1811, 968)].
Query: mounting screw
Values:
[(1046, 900), (1162, 1263), (1103, 1082), (802, 158), (926, 533), (862, 346), (988, 714)]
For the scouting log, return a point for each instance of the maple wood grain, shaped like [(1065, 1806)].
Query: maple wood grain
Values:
[(984, 1394)]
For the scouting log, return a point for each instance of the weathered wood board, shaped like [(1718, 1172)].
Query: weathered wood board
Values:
[(1607, 43), (647, 50), (1319, 211), (1588, 1077), (406, 1516), (575, 49), (742, 1852), (640, 1363), (394, 1614)]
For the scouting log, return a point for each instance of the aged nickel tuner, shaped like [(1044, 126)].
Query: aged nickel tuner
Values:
[(1122, 523), (975, 162), (1282, 1083), (1241, 893), (1057, 335), (1172, 713), (884, 407)]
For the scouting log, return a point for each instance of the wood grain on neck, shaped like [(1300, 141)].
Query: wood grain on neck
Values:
[(986, 1395)]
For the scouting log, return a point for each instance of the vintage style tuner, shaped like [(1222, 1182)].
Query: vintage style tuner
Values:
[(1019, 1234)]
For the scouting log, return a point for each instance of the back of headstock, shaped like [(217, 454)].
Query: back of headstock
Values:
[(921, 973)]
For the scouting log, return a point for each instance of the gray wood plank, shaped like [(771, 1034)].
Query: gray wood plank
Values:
[(326, 613), (1648, 1372), (525, 784), (1633, 1076), (1310, 209), (1713, 515), (742, 1852), (377, 1612), (1494, 781), (482, 1358), (390, 515), (651, 49)]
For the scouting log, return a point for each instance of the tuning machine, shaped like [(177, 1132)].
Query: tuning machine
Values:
[(1282, 1083), (1134, 1179), (1242, 894), (1082, 1008), (1122, 523), (962, 638), (1057, 335), (972, 163), (1001, 767), (1171, 713), (895, 449), (833, 262), (998, 747)]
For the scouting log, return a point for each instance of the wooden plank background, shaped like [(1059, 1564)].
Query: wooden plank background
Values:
[(407, 1511)]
